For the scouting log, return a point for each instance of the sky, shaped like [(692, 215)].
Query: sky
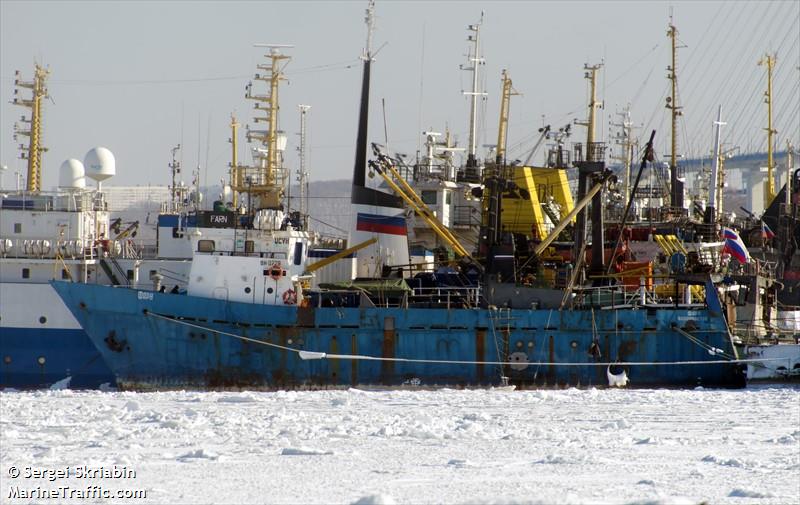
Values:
[(141, 77)]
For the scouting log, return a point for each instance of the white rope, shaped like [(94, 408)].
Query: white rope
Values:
[(710, 349), (310, 355), (240, 337)]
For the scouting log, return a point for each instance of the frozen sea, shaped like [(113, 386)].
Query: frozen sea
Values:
[(409, 446)]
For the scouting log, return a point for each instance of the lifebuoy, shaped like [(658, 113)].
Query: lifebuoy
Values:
[(276, 271), (289, 297)]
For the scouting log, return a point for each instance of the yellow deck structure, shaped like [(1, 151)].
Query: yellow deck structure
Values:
[(527, 215)]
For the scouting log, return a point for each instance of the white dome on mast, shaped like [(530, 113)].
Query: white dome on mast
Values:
[(99, 164), (71, 175)]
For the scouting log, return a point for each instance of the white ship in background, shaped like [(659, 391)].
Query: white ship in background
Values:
[(70, 234), (62, 234)]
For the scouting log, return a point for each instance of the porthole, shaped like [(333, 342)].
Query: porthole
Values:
[(42, 319), (41, 360), (574, 344), (7, 360), (519, 344), (270, 290), (247, 289), (530, 344), (289, 341)]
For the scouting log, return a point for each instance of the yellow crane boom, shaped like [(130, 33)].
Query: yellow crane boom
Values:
[(341, 254)]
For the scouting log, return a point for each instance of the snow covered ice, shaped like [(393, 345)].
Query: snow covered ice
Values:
[(410, 446)]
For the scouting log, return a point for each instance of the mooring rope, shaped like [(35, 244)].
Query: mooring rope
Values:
[(311, 355), (711, 349)]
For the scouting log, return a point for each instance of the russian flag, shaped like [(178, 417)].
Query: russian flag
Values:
[(735, 246), (375, 223), (766, 232)]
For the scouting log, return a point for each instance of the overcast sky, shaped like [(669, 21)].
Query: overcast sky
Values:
[(140, 77)]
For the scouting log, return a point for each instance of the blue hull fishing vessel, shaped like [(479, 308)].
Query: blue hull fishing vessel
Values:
[(156, 341), (251, 319)]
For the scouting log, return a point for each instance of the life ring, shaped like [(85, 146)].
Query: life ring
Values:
[(289, 297), (276, 271)]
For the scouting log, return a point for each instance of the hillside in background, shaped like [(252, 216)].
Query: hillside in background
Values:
[(329, 206)]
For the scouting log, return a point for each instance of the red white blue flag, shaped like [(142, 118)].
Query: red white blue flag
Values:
[(734, 245), (766, 232), (375, 223)]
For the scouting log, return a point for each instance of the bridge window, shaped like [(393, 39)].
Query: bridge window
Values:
[(429, 197), (249, 246), (205, 246), (26, 273), (298, 253)]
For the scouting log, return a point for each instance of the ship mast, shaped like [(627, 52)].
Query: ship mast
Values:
[(769, 188), (265, 183), (234, 167), (591, 155), (712, 206), (302, 175), (175, 169), (475, 61), (789, 169), (625, 139), (591, 74), (505, 103), (676, 185), (34, 151)]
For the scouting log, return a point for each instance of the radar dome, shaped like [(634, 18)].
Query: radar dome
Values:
[(71, 175), (100, 164)]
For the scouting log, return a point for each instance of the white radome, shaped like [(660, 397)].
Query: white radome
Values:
[(99, 164), (72, 174)]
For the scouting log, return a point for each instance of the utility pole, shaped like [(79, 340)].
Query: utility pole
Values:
[(769, 187), (302, 174)]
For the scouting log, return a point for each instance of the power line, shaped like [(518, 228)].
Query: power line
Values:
[(134, 82)]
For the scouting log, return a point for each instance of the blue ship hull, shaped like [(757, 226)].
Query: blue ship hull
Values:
[(162, 341), (39, 357)]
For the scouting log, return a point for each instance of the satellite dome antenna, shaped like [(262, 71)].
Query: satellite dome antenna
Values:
[(100, 165), (71, 175)]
